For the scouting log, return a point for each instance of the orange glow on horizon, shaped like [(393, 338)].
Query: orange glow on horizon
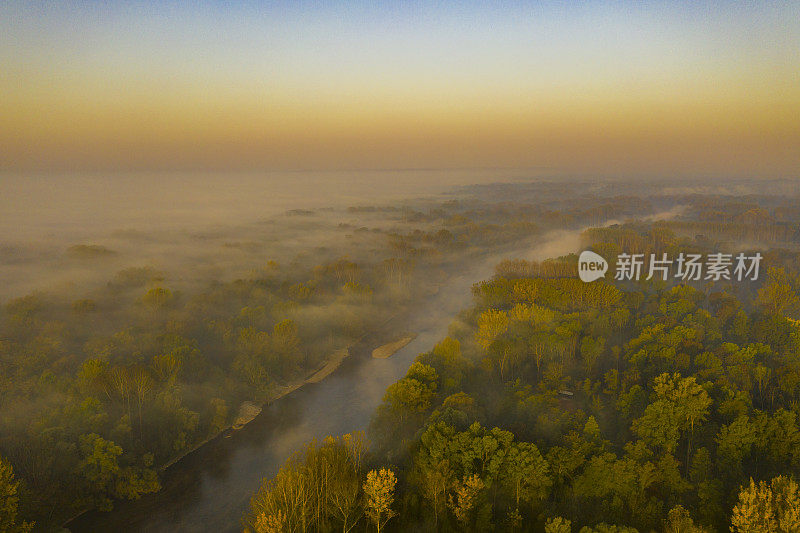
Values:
[(614, 110)]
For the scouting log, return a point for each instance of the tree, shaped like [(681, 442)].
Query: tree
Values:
[(219, 416), (433, 479), (659, 426), (761, 374), (770, 507), (692, 403), (269, 524), (777, 296), (158, 297), (623, 485), (591, 430), (680, 404), (591, 349), (679, 521), (526, 473), (491, 324), (283, 502), (284, 339), (316, 488), (141, 384), (343, 459), (166, 366), (735, 442), (446, 358), (408, 396), (449, 351), (379, 491), (464, 499), (132, 482), (424, 373), (9, 501), (558, 525), (100, 467)]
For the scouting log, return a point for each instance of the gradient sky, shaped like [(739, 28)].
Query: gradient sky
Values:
[(706, 88)]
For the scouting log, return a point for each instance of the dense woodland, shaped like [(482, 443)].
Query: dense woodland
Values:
[(101, 387), (556, 405)]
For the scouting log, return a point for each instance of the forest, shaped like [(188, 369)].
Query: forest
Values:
[(551, 405), (104, 385), (613, 406)]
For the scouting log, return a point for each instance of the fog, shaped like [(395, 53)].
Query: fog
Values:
[(555, 244), (73, 232), (189, 227)]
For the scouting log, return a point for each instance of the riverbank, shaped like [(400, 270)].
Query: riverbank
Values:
[(211, 486), (388, 350), (328, 368), (318, 375)]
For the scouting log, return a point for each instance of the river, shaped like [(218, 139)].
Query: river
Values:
[(209, 489)]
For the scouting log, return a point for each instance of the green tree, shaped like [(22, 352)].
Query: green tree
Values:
[(100, 467), (734, 443), (679, 405), (9, 501), (526, 473), (408, 396)]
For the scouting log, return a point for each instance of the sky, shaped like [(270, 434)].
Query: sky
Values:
[(646, 88)]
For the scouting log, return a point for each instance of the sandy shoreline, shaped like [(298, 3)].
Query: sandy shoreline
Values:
[(388, 350)]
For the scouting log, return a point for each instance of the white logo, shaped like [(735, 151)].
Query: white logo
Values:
[(591, 266)]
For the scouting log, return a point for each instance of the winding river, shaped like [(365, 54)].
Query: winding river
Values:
[(209, 489)]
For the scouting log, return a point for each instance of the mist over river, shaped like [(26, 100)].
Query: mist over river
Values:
[(178, 222), (210, 489)]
